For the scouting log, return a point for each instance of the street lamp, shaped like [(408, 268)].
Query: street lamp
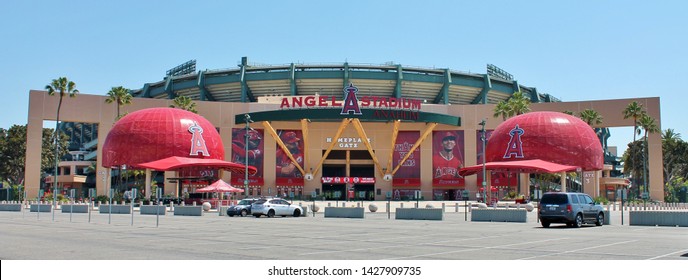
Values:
[(248, 127), (483, 139)]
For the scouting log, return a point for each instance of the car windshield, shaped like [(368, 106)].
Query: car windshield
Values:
[(260, 201), (555, 198), (245, 202)]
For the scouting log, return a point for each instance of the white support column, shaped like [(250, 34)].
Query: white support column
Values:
[(563, 181), (148, 183)]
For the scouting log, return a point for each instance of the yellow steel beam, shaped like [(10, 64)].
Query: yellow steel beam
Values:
[(364, 138), (416, 145), (284, 148), (304, 130), (342, 126), (395, 133)]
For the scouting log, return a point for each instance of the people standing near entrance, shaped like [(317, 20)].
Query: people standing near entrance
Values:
[(285, 167), (445, 163)]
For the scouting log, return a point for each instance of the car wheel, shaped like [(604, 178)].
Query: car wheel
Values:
[(579, 221), (600, 220), (544, 224), (244, 213), (271, 213), (297, 213)]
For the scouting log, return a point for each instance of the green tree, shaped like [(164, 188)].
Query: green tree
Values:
[(519, 104), (675, 155), (516, 105), (591, 117), (569, 112), (634, 110), (13, 152), (649, 125), (184, 103), (121, 97), (61, 86), (502, 110)]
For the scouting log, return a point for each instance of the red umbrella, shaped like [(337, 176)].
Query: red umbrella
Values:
[(174, 162), (219, 186)]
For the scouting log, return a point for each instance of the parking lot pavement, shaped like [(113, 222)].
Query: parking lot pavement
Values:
[(28, 236)]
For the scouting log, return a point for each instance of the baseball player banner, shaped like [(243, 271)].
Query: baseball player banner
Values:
[(287, 174), (447, 158), (252, 150), (408, 174)]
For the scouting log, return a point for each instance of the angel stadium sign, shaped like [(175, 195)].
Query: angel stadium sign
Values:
[(366, 108), (351, 104)]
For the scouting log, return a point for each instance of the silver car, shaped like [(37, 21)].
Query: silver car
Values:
[(275, 207), (573, 209)]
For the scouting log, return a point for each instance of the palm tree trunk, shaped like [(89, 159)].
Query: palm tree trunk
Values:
[(57, 155), (645, 155)]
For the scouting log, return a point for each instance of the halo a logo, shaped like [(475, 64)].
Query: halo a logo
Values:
[(351, 101), (197, 141), (515, 146)]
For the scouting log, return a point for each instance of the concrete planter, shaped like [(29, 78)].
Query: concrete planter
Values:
[(419, 214), (13, 207), (344, 212), (116, 209), (153, 209), (75, 208), (499, 215), (41, 208), (188, 211), (658, 218)]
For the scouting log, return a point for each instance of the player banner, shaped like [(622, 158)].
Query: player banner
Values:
[(254, 153), (286, 172), (447, 158), (408, 174)]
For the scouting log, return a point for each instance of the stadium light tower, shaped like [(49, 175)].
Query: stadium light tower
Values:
[(483, 139)]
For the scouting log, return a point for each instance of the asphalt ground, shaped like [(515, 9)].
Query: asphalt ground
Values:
[(28, 236)]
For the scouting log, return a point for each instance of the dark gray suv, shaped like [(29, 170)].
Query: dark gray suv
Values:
[(243, 208), (572, 209)]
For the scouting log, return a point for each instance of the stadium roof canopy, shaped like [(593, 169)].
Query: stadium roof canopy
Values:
[(249, 82)]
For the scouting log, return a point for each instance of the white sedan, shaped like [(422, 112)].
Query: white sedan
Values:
[(275, 207)]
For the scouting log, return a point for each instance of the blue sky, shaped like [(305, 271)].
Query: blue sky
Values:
[(574, 50)]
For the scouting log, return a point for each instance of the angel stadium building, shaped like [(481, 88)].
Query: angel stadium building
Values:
[(335, 131)]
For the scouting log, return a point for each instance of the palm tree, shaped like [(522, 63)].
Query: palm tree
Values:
[(519, 104), (635, 111), (670, 136), (591, 117), (61, 86), (649, 126), (675, 154), (184, 103), (502, 109), (119, 95)]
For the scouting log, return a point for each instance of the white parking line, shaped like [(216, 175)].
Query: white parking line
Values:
[(477, 249), (677, 252), (581, 249)]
